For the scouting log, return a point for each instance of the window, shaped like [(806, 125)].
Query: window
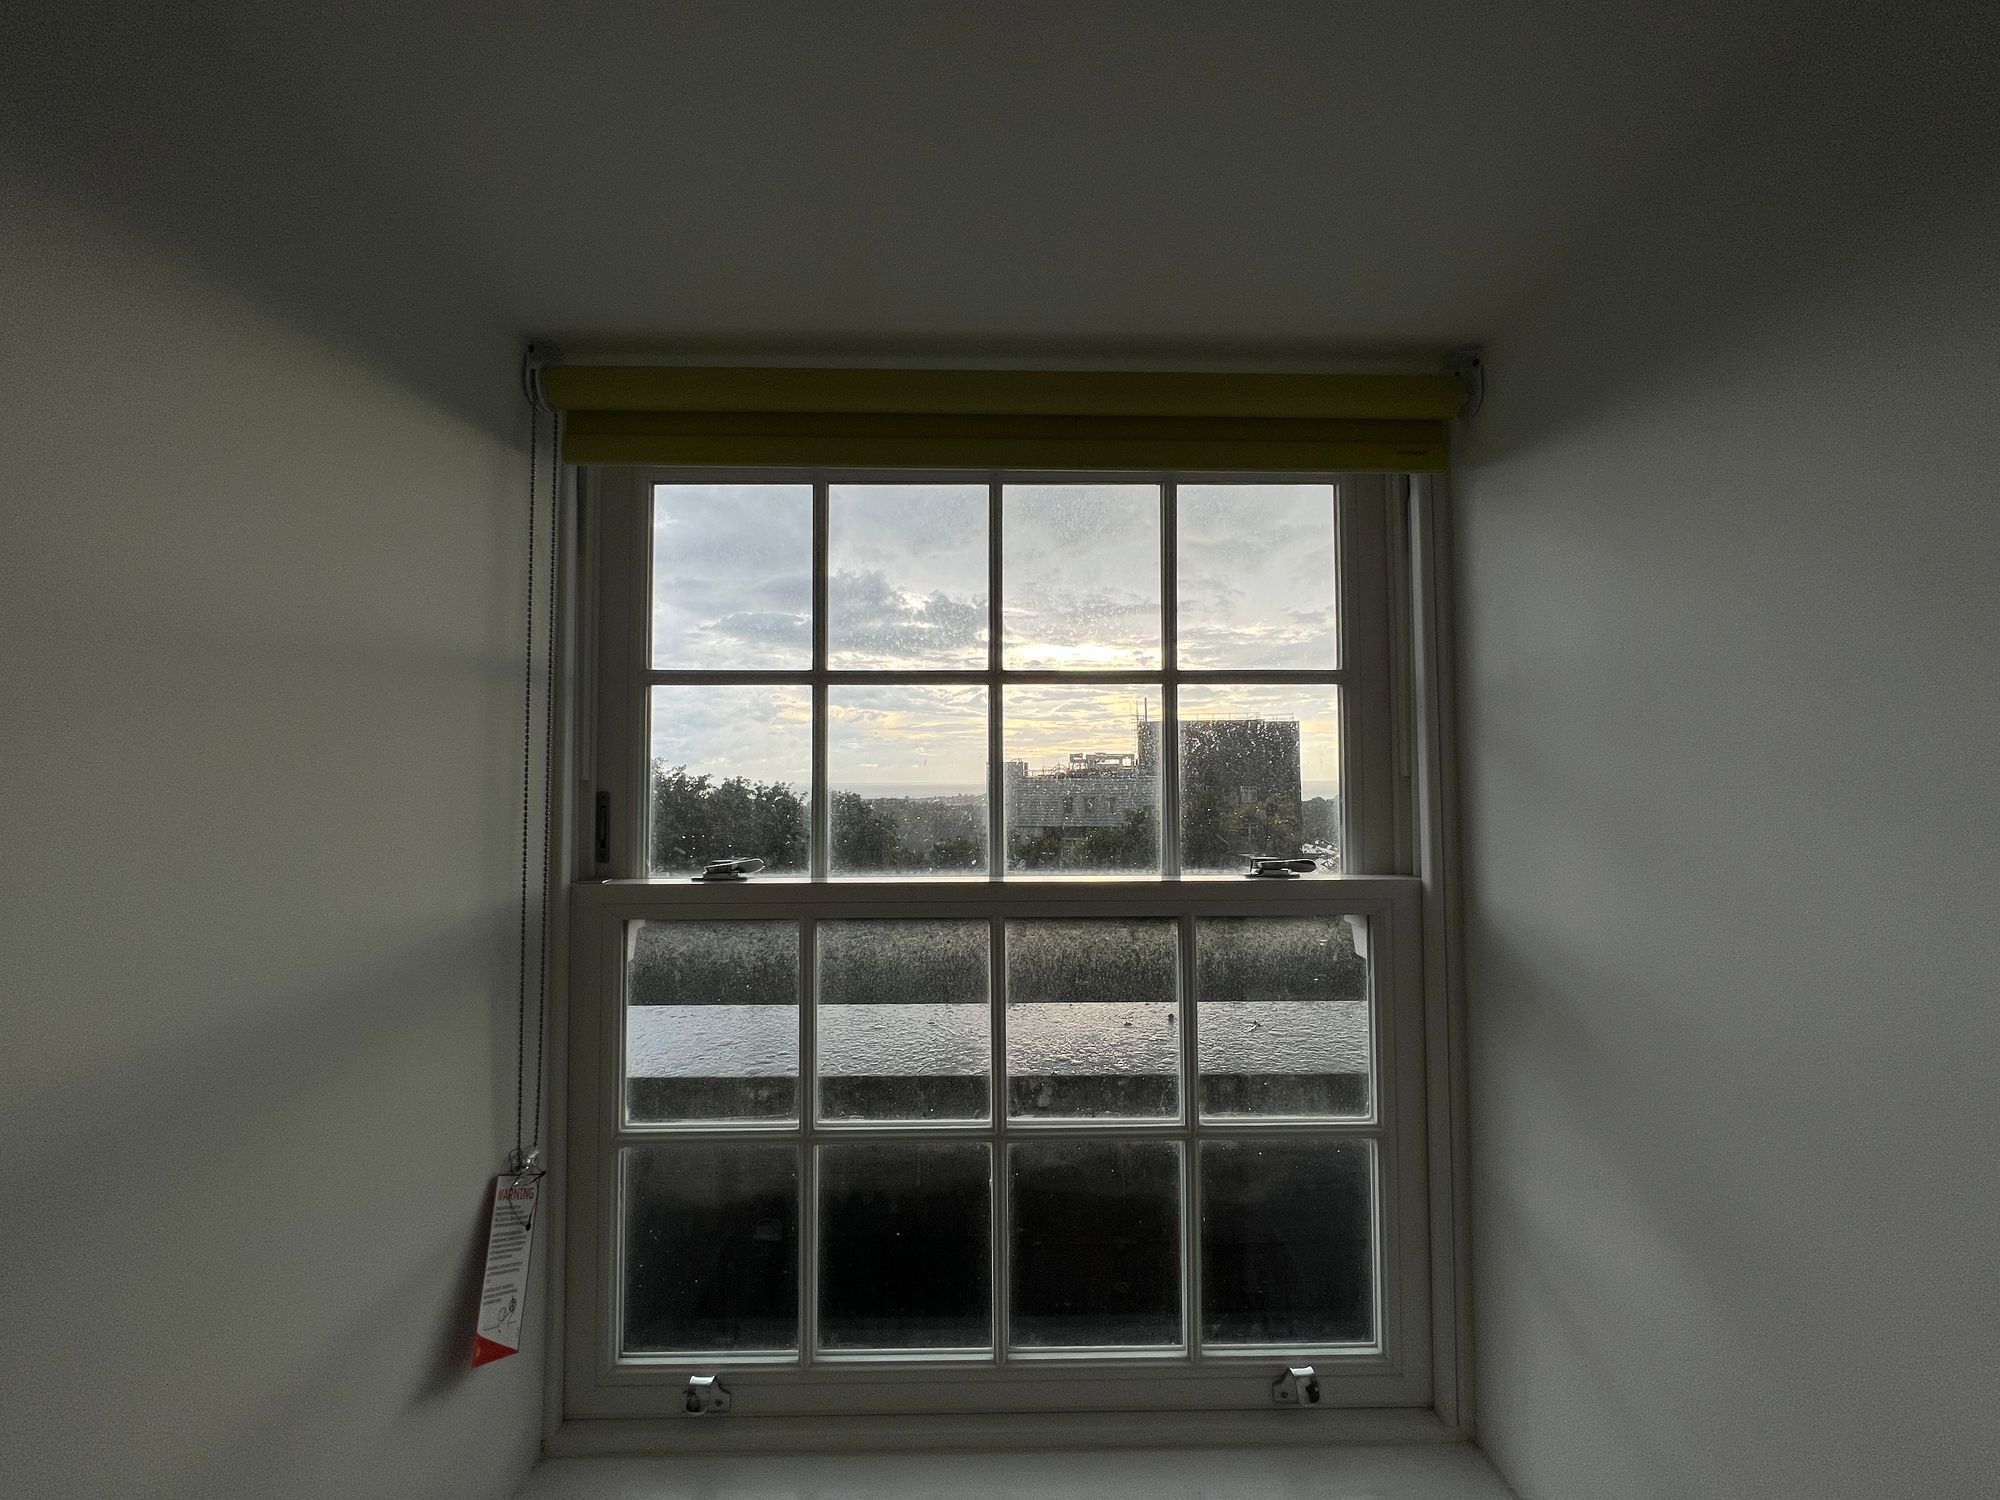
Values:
[(1000, 1087)]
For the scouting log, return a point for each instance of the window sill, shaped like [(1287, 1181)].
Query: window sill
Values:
[(1378, 1470), (603, 1437)]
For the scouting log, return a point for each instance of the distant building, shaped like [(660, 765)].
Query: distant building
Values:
[(1244, 762)]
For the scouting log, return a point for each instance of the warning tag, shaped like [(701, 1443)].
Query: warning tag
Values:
[(504, 1297)]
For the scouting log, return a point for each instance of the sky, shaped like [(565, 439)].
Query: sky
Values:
[(908, 588)]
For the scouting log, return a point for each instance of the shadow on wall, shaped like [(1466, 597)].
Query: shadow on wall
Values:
[(146, 118), (1727, 236)]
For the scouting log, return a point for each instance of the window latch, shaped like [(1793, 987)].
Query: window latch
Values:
[(706, 1395), (1298, 1386), (730, 869), (1263, 867)]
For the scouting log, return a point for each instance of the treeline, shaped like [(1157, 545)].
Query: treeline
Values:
[(696, 818)]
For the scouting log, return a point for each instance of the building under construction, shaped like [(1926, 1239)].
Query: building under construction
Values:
[(1240, 762)]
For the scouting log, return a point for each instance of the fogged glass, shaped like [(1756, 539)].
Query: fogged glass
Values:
[(1082, 779), (732, 576), (906, 576), (1255, 574), (711, 1247), (1093, 1019), (905, 1245), (906, 777), (712, 1021), (1080, 575), (730, 776), (1282, 1010), (905, 1030), (1096, 1243), (1287, 1242), (1260, 775)]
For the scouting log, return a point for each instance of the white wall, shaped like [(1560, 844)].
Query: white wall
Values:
[(259, 701), (1729, 533)]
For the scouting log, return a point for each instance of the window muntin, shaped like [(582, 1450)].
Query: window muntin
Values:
[(1029, 713), (1342, 1103)]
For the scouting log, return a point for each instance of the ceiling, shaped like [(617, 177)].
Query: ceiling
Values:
[(1010, 178)]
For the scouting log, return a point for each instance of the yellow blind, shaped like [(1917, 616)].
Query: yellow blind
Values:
[(984, 419)]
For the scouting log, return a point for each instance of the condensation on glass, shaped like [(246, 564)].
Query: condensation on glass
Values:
[(711, 1248), (1081, 779), (1081, 576), (729, 774), (904, 1020), (1287, 1247), (732, 576), (1093, 1019), (906, 776), (1095, 1230), (906, 576), (712, 1021), (1260, 775), (905, 1246), (1255, 569), (1282, 1017)]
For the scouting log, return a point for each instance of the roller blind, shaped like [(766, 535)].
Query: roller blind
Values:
[(981, 419)]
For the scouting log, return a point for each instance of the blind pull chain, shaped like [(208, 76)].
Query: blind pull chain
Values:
[(525, 1161)]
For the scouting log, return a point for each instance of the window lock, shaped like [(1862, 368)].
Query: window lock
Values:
[(706, 1395), (730, 869), (1263, 868), (1298, 1386)]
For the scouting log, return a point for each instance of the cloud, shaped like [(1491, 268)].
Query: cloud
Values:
[(871, 624)]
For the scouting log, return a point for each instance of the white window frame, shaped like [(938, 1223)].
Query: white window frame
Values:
[(1411, 1381)]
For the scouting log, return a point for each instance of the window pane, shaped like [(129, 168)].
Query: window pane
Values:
[(905, 1247), (1286, 1254), (906, 772), (1282, 1012), (1096, 1243), (731, 769), (1080, 575), (1093, 1019), (906, 575), (712, 1021), (1255, 572), (1260, 774), (1082, 779), (711, 1247), (732, 576), (905, 1032)]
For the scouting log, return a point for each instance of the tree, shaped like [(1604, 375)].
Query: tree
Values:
[(1130, 845), (697, 818), (862, 838)]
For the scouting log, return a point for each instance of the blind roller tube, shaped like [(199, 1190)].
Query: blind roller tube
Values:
[(1002, 419)]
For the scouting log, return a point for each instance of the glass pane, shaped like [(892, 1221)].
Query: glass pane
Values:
[(1093, 1019), (905, 1032), (1082, 779), (906, 771), (906, 575), (1080, 575), (731, 769), (712, 1021), (732, 576), (1096, 1243), (1255, 572), (1282, 1007), (1286, 1242), (711, 1247), (905, 1246), (1260, 774)]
